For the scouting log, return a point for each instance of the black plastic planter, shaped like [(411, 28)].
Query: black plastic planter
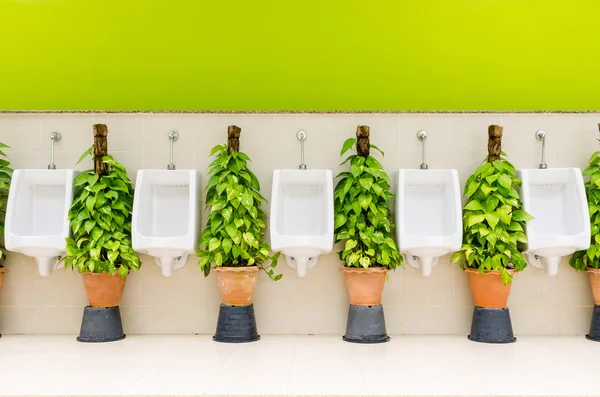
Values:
[(366, 324), (236, 324), (101, 324), (491, 326), (594, 334)]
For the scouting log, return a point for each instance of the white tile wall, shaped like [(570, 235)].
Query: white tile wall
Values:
[(188, 303)]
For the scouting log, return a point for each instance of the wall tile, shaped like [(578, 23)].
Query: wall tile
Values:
[(17, 320), (58, 320), (76, 130), (21, 132), (125, 132), (318, 303)]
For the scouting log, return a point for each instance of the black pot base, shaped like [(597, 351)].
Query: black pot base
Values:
[(594, 334), (101, 324), (491, 326), (236, 324), (366, 324)]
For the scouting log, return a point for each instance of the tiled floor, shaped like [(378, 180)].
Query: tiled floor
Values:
[(298, 365)]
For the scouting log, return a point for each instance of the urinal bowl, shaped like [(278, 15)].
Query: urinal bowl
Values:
[(37, 215), (428, 208), (556, 199), (301, 219), (165, 216)]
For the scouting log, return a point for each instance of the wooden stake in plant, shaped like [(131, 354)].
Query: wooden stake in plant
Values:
[(494, 143), (363, 146), (233, 139), (100, 147)]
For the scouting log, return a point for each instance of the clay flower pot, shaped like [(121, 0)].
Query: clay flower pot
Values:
[(365, 286), (237, 284), (488, 290), (103, 290), (2, 271), (594, 275)]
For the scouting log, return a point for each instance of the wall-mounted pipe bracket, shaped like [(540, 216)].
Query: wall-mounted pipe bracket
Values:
[(173, 136), (422, 136), (301, 135), (54, 137), (540, 135)]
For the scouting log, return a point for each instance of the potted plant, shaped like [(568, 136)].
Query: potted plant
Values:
[(589, 260), (493, 226), (101, 248), (5, 175), (363, 223), (232, 241)]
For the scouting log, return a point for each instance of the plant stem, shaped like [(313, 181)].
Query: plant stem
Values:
[(362, 140), (494, 143), (233, 139), (100, 147)]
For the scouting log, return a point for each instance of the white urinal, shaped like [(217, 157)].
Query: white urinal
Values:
[(556, 199), (302, 216), (429, 221), (37, 215), (166, 215)]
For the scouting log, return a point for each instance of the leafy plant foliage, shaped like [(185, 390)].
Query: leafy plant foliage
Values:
[(493, 221), (5, 175), (581, 260), (362, 213), (101, 222), (235, 226)]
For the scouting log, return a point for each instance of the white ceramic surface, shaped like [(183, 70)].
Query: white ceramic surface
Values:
[(302, 216), (428, 216), (37, 215), (556, 199), (166, 216)]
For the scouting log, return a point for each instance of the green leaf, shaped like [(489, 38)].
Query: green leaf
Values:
[(474, 219), (376, 148), (227, 243), (86, 154), (504, 214), (247, 200), (364, 262), (487, 189), (231, 230), (364, 200), (213, 244), (356, 170), (474, 205), (492, 219), (217, 148), (366, 183), (340, 219), (347, 145), (350, 244), (521, 215), (472, 188), (505, 181), (89, 225), (491, 203)]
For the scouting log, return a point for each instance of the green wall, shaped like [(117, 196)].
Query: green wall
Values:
[(299, 55)]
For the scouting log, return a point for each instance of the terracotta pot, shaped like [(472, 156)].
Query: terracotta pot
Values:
[(488, 290), (237, 284), (2, 271), (103, 290), (365, 286), (594, 275)]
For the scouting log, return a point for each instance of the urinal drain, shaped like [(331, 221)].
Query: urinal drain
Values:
[(171, 186), (50, 186)]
